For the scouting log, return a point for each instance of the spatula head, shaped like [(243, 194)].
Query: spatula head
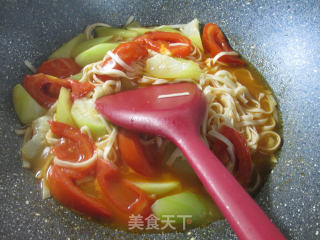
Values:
[(165, 110)]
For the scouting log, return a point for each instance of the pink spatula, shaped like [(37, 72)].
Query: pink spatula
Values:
[(176, 111)]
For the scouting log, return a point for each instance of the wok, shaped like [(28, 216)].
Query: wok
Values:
[(280, 38)]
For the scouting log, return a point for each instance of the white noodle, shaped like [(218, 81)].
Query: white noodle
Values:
[(256, 184), (86, 130), (90, 28), (51, 140), (176, 154), (130, 20), (26, 164), (68, 164), (30, 66), (20, 131), (251, 122), (174, 25), (45, 189), (230, 148), (110, 143), (229, 103), (272, 139), (214, 60), (118, 60)]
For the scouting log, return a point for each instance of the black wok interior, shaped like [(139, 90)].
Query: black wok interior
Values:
[(280, 38)]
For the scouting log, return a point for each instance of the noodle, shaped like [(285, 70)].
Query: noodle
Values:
[(90, 28), (68, 164), (233, 99), (229, 102)]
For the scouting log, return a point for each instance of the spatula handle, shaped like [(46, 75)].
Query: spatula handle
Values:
[(241, 211)]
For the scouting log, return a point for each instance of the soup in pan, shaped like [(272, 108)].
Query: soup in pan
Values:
[(131, 180)]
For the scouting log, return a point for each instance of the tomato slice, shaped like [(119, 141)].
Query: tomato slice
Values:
[(128, 52), (133, 153), (76, 146), (65, 191), (59, 67), (166, 42), (123, 196), (215, 42), (242, 171), (45, 88), (79, 90), (78, 173)]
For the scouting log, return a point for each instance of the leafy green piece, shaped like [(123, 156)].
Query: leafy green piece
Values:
[(116, 32), (77, 76), (166, 29), (134, 24), (142, 30), (82, 46), (192, 31), (95, 53), (84, 113), (65, 50), (25, 106), (163, 66), (63, 113), (34, 147), (182, 204), (158, 188)]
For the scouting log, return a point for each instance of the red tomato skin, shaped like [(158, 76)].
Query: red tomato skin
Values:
[(63, 189), (243, 168), (45, 89), (79, 90), (59, 67), (128, 52), (133, 154), (215, 42), (122, 196), (81, 142), (160, 41)]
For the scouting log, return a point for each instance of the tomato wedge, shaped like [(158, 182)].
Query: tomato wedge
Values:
[(79, 90), (242, 171), (75, 145), (215, 42), (133, 153), (123, 196), (59, 67), (65, 191), (128, 52), (166, 42), (45, 88)]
